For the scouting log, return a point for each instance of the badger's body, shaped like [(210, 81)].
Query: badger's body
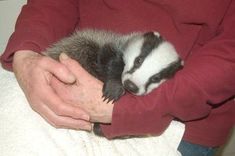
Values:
[(138, 62), (87, 47), (100, 53)]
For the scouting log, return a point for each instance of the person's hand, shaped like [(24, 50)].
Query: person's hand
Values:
[(86, 92), (34, 73)]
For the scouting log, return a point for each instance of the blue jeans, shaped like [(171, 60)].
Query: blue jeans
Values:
[(189, 149)]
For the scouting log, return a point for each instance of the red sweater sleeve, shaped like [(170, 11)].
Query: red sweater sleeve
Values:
[(207, 79), (40, 24)]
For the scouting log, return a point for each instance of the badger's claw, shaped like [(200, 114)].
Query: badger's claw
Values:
[(112, 90)]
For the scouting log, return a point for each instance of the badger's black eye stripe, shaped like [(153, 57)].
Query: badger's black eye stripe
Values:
[(166, 73), (155, 78), (172, 68), (151, 41)]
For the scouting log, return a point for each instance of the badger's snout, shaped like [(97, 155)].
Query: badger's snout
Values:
[(130, 86)]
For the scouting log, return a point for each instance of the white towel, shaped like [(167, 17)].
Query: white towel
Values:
[(24, 133)]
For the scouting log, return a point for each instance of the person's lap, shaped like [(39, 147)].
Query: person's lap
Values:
[(189, 149)]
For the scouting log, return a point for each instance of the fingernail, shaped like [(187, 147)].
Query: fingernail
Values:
[(88, 127), (71, 78), (86, 117), (63, 56)]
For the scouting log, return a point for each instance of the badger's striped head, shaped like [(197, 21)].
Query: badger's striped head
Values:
[(149, 61)]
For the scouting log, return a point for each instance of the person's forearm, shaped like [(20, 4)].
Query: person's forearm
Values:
[(206, 80)]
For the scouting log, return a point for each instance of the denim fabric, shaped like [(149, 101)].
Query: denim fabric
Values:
[(189, 149)]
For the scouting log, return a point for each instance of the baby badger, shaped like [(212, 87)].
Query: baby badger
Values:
[(136, 62)]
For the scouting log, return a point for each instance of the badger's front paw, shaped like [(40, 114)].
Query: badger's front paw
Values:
[(97, 129), (113, 90)]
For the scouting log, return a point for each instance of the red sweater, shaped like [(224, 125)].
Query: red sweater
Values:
[(203, 34)]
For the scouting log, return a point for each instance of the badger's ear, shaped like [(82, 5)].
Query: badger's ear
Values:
[(155, 33)]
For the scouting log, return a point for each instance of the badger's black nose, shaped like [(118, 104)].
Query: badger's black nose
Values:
[(130, 86)]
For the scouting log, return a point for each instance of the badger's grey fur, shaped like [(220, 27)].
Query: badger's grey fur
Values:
[(138, 62), (100, 53)]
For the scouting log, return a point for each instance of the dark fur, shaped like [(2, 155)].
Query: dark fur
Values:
[(100, 53), (102, 59)]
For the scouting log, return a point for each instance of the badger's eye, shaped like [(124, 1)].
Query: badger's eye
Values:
[(138, 61), (155, 78)]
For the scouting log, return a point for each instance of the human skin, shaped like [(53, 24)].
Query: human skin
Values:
[(86, 92), (34, 73)]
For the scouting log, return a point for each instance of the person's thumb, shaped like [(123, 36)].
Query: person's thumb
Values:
[(75, 68)]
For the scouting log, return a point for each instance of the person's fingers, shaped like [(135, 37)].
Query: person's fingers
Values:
[(57, 69), (64, 91), (33, 72), (61, 108), (66, 60), (64, 122), (76, 68), (86, 97)]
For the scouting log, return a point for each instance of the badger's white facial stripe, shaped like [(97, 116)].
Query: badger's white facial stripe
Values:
[(164, 74), (150, 41), (155, 59), (151, 87)]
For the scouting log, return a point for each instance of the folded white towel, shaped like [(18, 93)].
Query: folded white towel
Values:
[(24, 133)]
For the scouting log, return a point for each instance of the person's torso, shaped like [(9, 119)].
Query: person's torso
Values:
[(187, 24)]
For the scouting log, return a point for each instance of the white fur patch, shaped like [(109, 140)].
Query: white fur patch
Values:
[(157, 60), (156, 34), (132, 51)]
